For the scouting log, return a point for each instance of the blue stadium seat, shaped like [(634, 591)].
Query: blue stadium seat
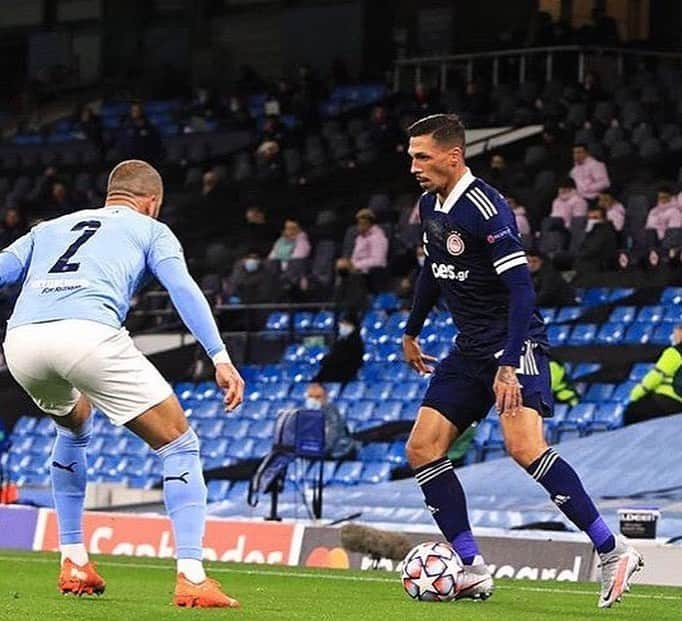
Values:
[(235, 429), (378, 391), (217, 490), (184, 390), (583, 369), (255, 410), (624, 314), (548, 313), (582, 334), (354, 390), (621, 394), (611, 333), (333, 390), (650, 314), (328, 470), (557, 334), (208, 409), (238, 491), (277, 322), (298, 390), (25, 425), (396, 453), (374, 319), (595, 296), (139, 481), (272, 373), (375, 473), (302, 371), (406, 390), (671, 295), (672, 314), (638, 333), (387, 410), (241, 450), (639, 370), (607, 416), (360, 410), (374, 451), (388, 352), (303, 321), (262, 430), (348, 473), (598, 393), (385, 302), (271, 391), (293, 352), (482, 436), (396, 322), (582, 414), (551, 425), (216, 447), (620, 293), (569, 313), (262, 447), (323, 321), (661, 334)]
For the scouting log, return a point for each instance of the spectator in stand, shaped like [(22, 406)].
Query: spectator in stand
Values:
[(292, 244), (384, 132), (520, 215), (338, 442), (568, 204), (667, 213), (598, 250), (344, 359), (550, 287), (659, 393), (12, 227), (371, 245), (252, 282), (89, 127), (476, 105), (350, 289), (498, 173), (256, 233), (236, 114), (590, 175), (615, 212), (60, 201), (139, 138), (425, 101)]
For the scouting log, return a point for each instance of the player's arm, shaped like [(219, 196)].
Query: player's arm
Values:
[(509, 261), (426, 294), (167, 263), (15, 259)]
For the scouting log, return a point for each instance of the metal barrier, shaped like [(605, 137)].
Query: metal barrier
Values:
[(489, 62)]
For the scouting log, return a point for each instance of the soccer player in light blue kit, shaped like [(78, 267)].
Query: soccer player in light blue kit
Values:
[(66, 346)]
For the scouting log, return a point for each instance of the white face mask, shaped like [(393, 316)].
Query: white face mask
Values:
[(311, 403), (251, 265), (420, 261), (345, 329), (590, 224)]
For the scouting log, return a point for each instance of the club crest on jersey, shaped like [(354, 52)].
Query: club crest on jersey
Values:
[(455, 244)]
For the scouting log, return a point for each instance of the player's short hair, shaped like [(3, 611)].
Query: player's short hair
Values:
[(446, 129), (135, 177)]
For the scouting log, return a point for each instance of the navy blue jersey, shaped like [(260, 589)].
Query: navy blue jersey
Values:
[(469, 241)]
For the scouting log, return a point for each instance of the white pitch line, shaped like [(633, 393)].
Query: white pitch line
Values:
[(294, 574)]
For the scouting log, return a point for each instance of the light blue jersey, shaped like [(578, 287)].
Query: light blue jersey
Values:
[(88, 265)]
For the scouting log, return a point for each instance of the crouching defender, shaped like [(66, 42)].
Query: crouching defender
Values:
[(66, 347), (474, 258)]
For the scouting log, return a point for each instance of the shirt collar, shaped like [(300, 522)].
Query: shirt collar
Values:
[(465, 181)]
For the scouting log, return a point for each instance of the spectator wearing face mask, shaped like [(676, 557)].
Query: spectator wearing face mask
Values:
[(667, 213), (598, 250), (520, 215), (252, 282), (568, 204), (344, 359), (338, 441), (615, 212)]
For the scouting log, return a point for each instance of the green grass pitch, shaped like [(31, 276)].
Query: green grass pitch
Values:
[(140, 588)]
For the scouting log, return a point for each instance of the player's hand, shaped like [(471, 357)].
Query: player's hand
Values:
[(415, 357), (507, 391), (228, 378)]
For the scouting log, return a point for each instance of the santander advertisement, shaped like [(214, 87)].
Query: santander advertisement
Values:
[(152, 536)]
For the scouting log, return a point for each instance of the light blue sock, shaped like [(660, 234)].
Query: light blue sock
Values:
[(69, 475), (184, 493)]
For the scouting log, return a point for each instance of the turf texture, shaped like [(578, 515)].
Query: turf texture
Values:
[(141, 589)]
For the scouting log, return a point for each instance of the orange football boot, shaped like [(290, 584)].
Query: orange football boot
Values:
[(206, 594), (80, 579)]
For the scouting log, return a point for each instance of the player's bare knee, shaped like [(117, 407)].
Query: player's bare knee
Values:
[(523, 453), (419, 452)]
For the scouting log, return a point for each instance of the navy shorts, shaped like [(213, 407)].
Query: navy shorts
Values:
[(461, 388)]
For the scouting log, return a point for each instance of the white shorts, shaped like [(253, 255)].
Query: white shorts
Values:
[(56, 361)]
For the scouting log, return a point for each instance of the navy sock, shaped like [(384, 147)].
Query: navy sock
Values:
[(69, 476), (568, 493), (445, 499), (184, 493)]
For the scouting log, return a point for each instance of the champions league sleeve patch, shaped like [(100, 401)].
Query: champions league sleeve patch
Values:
[(501, 234)]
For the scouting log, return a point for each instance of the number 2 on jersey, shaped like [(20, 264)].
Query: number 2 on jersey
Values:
[(89, 228)]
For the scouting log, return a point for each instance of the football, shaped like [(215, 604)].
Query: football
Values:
[(431, 572)]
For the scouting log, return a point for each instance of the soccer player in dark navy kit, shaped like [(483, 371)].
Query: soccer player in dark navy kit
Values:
[(475, 261)]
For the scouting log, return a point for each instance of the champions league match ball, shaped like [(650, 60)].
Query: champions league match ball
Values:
[(431, 572)]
